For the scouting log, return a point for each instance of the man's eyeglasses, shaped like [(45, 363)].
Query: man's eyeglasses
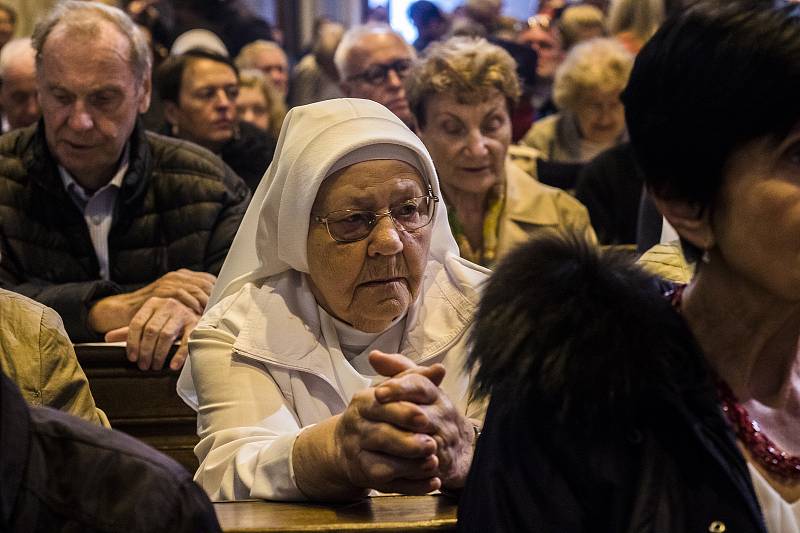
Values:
[(350, 225), (376, 74)]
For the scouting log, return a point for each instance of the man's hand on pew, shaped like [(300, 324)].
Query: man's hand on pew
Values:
[(159, 323), (186, 286)]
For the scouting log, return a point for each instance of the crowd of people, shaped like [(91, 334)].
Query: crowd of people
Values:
[(395, 267)]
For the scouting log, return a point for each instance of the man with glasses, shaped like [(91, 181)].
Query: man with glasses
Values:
[(373, 62)]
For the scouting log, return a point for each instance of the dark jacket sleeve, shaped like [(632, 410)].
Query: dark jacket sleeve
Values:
[(228, 222), (71, 300), (193, 512)]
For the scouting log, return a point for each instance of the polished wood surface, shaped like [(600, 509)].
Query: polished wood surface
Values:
[(142, 404), (379, 514)]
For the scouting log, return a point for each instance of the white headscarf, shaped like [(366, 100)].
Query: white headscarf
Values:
[(316, 140)]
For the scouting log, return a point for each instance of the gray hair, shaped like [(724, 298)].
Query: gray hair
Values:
[(351, 39), (85, 17), (641, 17), (13, 50), (600, 64), (247, 54)]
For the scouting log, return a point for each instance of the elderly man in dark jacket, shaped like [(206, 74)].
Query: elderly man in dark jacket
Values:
[(119, 230)]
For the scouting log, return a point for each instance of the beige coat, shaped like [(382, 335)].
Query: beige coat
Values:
[(37, 355), (667, 262), (534, 209)]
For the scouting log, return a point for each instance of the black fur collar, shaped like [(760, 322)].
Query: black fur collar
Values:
[(582, 333)]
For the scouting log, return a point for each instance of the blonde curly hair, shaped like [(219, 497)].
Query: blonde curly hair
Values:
[(276, 109), (467, 68), (597, 65)]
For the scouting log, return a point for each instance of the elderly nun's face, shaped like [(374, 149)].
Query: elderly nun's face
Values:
[(370, 282)]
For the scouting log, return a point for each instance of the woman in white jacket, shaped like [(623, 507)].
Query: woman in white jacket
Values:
[(345, 250)]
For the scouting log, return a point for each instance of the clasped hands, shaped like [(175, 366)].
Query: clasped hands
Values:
[(404, 435), (154, 317)]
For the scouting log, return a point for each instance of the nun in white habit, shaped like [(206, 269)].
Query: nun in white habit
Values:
[(345, 249)]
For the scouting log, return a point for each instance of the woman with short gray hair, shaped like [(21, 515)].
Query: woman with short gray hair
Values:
[(462, 93), (586, 90)]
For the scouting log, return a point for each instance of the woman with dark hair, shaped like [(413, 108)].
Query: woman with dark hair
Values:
[(621, 403)]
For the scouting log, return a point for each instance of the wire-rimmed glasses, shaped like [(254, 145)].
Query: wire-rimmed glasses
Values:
[(350, 225)]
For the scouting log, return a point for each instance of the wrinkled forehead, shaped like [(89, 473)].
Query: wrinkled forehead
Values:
[(397, 165), (361, 185)]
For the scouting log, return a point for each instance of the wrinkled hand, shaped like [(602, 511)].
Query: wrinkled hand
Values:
[(412, 387), (381, 445), (153, 330), (190, 288)]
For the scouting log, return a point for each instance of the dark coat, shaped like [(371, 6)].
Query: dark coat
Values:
[(603, 416), (610, 186), (179, 207), (63, 474)]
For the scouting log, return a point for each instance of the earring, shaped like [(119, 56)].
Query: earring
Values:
[(706, 257)]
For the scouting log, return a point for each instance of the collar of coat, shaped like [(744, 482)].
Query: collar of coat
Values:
[(43, 170), (526, 199), (282, 323)]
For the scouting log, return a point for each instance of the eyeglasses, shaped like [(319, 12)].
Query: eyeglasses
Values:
[(350, 225), (376, 74)]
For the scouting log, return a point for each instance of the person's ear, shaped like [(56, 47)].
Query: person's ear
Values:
[(171, 112), (146, 93), (690, 220)]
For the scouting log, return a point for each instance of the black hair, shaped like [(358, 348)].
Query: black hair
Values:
[(169, 74), (578, 332), (715, 76), (424, 10)]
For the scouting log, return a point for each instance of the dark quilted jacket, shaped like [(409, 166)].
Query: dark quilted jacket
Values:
[(179, 207)]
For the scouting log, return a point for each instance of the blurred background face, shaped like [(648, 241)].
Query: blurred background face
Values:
[(370, 77), (468, 142), (275, 67), (18, 97), (547, 46), (206, 110), (6, 27), (601, 116), (252, 107)]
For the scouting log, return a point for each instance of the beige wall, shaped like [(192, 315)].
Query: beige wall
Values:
[(28, 12)]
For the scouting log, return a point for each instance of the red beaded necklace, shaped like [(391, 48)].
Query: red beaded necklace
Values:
[(778, 463)]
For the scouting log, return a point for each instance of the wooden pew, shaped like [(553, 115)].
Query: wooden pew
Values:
[(396, 514), (142, 404)]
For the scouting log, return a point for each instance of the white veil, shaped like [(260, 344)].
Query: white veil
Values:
[(314, 139)]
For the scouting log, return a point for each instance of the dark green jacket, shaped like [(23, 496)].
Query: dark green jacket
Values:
[(179, 207)]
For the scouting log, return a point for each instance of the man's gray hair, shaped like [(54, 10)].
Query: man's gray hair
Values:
[(12, 50), (248, 54), (85, 18), (351, 39)]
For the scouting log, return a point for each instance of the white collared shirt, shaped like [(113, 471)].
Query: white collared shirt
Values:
[(97, 209)]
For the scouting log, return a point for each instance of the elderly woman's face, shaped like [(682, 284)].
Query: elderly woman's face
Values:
[(368, 283), (468, 142), (601, 116)]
